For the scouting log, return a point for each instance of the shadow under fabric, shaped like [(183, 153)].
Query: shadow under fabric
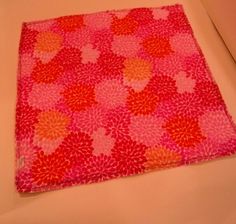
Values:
[(114, 94)]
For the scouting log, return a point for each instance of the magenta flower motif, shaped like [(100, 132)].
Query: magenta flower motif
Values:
[(89, 120), (117, 123)]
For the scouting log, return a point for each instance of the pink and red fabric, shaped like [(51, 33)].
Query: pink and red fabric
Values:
[(114, 94)]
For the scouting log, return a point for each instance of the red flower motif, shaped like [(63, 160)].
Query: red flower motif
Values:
[(187, 104), (76, 147), (23, 181), (70, 23), (184, 131), (157, 27), (28, 38), (102, 40), (228, 148), (79, 97), (124, 26), (196, 67), (117, 123), (97, 168), (144, 102), (69, 58), (24, 88), (47, 73), (157, 46), (108, 59), (49, 169), (210, 94), (89, 73), (163, 86), (26, 117), (178, 19), (141, 15), (130, 156)]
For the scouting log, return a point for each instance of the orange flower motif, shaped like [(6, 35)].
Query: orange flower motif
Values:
[(52, 125), (46, 73), (70, 23), (160, 157), (48, 41), (157, 46), (137, 69), (184, 131), (49, 169), (79, 97), (144, 102), (124, 26)]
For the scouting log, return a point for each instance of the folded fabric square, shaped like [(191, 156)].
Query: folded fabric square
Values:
[(114, 94)]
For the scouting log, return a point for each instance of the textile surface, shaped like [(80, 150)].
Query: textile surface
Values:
[(114, 94)]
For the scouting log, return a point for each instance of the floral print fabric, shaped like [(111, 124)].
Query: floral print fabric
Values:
[(114, 94)]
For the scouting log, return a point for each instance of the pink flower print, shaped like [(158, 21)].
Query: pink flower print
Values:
[(78, 38), (184, 83), (216, 126), (146, 130), (127, 46), (26, 65), (160, 13), (89, 120), (89, 54), (110, 93), (25, 154), (44, 96), (102, 143), (183, 44), (41, 26), (48, 146), (98, 21)]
